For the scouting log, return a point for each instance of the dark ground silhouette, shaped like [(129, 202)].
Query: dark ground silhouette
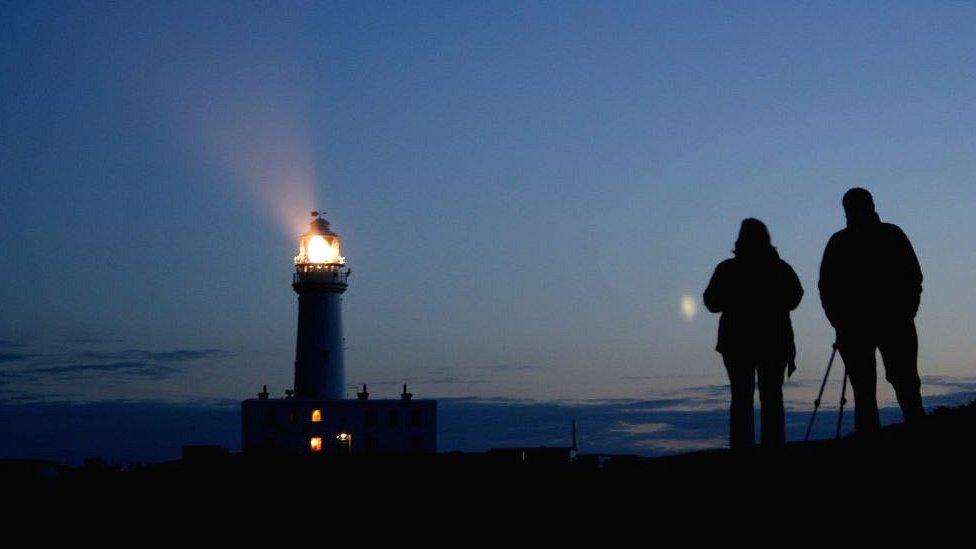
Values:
[(935, 452)]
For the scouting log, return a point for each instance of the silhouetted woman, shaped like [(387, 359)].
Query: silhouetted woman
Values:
[(755, 292)]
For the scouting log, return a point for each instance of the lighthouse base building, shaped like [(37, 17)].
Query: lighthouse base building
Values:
[(315, 418), (339, 427)]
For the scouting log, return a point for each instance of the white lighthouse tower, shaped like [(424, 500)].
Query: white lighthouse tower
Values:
[(315, 418), (320, 279)]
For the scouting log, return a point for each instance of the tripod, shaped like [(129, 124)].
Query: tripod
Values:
[(843, 397)]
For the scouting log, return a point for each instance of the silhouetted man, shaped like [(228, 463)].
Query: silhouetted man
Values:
[(870, 287)]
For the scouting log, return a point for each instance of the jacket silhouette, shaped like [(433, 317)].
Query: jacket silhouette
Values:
[(870, 287), (755, 292)]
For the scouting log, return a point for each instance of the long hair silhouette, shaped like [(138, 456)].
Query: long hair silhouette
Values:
[(753, 240)]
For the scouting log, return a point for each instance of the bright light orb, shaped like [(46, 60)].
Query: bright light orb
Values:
[(315, 444), (689, 307), (320, 251)]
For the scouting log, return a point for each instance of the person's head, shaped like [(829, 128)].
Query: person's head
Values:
[(753, 239), (859, 206)]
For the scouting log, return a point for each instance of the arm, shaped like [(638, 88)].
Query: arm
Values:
[(792, 289), (828, 281), (911, 271), (716, 295)]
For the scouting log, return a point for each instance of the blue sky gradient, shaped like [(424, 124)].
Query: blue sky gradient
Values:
[(525, 190)]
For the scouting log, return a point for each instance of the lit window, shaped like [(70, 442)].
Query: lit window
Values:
[(316, 416), (315, 444), (343, 444)]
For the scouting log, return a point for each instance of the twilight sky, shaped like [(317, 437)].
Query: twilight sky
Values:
[(526, 191)]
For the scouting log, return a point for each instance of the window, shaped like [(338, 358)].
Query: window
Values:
[(344, 444), (394, 418), (315, 444), (372, 418), (316, 416), (415, 418)]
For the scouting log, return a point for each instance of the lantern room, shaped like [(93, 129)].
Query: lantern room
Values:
[(319, 247)]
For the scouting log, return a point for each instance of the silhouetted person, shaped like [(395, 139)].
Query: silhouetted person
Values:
[(755, 292), (870, 287)]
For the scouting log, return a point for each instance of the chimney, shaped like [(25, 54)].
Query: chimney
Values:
[(405, 395)]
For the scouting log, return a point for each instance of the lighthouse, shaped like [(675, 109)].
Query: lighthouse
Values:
[(320, 279), (315, 417)]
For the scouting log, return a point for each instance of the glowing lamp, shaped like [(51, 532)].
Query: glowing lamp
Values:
[(319, 246), (315, 444)]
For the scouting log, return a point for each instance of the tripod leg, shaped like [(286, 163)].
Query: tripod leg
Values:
[(823, 384), (843, 401)]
